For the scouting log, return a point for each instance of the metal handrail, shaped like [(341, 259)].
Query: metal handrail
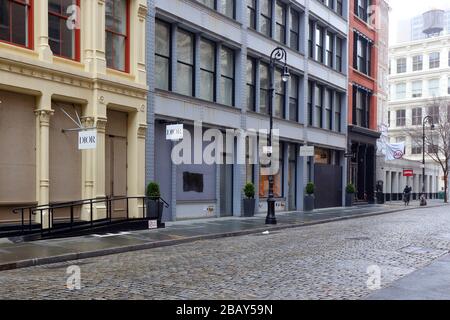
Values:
[(40, 209)]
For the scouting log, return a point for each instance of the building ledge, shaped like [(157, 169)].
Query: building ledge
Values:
[(364, 131)]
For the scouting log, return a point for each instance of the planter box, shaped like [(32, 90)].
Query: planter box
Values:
[(309, 203), (155, 210), (249, 207), (349, 199)]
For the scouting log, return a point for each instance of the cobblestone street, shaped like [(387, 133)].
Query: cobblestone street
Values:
[(327, 261)]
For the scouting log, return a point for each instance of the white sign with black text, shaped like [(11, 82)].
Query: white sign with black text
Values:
[(87, 139), (307, 151), (174, 132), (153, 224)]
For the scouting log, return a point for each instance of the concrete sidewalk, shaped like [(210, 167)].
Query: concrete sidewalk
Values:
[(429, 283), (19, 255)]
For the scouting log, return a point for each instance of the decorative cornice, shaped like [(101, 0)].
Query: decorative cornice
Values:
[(34, 71), (142, 11), (101, 124)]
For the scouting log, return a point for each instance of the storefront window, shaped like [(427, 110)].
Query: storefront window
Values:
[(322, 156)]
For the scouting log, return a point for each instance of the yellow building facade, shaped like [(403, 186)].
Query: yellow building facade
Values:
[(60, 60)]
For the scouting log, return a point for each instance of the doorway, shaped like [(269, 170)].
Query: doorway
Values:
[(226, 188), (116, 161)]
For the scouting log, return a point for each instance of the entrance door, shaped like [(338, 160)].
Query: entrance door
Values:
[(116, 173), (226, 189), (328, 181), (116, 162)]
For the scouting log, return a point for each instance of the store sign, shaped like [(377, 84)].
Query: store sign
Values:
[(408, 173), (306, 151), (87, 140), (174, 132)]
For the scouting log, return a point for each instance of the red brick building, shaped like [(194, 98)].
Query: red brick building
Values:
[(362, 92)]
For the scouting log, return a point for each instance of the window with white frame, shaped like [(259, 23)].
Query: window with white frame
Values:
[(417, 89), (417, 116), (401, 65), (433, 87), (417, 63), (400, 118), (400, 91), (434, 60)]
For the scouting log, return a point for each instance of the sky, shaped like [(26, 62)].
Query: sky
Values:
[(405, 9)]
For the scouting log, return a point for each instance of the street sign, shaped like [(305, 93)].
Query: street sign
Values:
[(174, 132), (87, 139), (349, 155), (408, 173), (307, 151)]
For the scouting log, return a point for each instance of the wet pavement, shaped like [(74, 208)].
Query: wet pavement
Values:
[(321, 261), (17, 255)]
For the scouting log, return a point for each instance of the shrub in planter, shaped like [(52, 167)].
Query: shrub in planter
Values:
[(350, 194), (249, 202), (309, 197), (155, 206)]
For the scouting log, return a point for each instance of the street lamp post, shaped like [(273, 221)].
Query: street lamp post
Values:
[(427, 119), (277, 55)]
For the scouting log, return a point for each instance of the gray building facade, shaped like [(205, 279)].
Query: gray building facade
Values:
[(208, 62)]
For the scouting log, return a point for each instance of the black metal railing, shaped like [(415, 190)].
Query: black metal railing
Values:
[(69, 221)]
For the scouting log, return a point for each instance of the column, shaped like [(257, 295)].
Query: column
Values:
[(41, 30), (388, 186), (99, 168), (137, 54), (93, 13), (43, 114), (88, 173)]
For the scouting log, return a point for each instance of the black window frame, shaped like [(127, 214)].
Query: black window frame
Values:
[(161, 56)]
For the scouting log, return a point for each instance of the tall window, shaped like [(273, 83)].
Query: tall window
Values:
[(318, 119), (162, 55), (63, 41), (433, 87), (294, 30), (293, 98), (310, 39), (433, 112), (362, 58), (227, 76), (251, 88), (434, 60), (310, 102), (16, 22), (207, 69), (319, 44), (185, 63), (416, 145), (337, 112), (117, 34), (417, 63), (280, 21), (280, 94), (329, 49), (264, 87), (417, 89), (417, 116), (400, 118), (251, 13), (361, 7), (225, 7), (339, 7), (400, 91), (328, 109), (266, 17), (361, 107), (338, 54), (401, 65)]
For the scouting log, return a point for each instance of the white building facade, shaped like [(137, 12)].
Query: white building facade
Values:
[(419, 74)]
